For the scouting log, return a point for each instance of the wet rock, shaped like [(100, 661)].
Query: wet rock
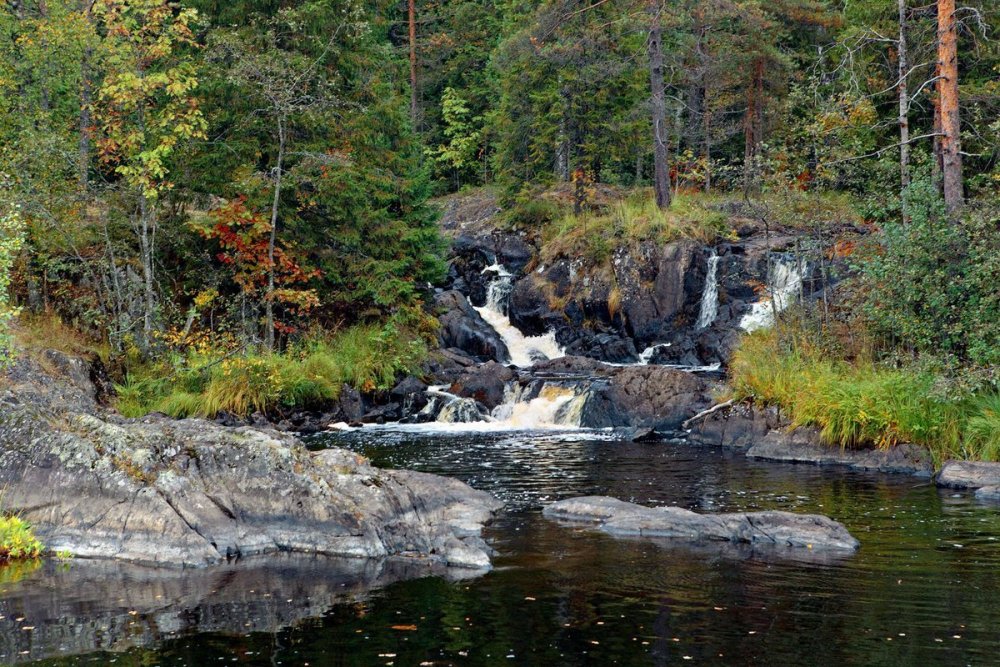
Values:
[(463, 411), (463, 328), (777, 529), (605, 347), (736, 427), (193, 493), (988, 494), (804, 445), (411, 394), (969, 475), (486, 384)]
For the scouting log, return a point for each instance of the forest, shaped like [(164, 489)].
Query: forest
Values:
[(236, 204)]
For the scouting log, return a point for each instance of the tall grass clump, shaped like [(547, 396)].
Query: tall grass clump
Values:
[(859, 403), (17, 541), (206, 383)]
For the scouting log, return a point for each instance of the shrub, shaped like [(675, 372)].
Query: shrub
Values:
[(17, 541), (932, 283), (11, 241)]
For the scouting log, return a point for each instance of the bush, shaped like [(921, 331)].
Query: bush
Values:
[(11, 241), (17, 541), (932, 284)]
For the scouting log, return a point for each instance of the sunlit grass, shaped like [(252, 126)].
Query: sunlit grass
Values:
[(17, 541), (310, 374), (858, 403)]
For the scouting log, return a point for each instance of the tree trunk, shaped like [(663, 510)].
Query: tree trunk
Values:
[(661, 172), (904, 102), (146, 242), (86, 94), (269, 301), (753, 121), (947, 85), (413, 62)]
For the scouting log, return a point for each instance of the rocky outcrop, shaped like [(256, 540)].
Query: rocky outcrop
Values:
[(194, 493), (465, 329), (776, 529), (630, 396), (969, 475), (486, 383)]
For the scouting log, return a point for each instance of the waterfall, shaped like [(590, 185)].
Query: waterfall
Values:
[(710, 297), (554, 407), (524, 350), (784, 285)]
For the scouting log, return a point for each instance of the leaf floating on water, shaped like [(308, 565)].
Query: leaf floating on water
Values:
[(405, 628)]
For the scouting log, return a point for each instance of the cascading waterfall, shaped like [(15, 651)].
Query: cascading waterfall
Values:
[(554, 407), (785, 277), (710, 297), (524, 350)]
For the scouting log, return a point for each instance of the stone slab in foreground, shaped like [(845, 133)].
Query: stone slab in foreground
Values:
[(780, 529), (191, 493)]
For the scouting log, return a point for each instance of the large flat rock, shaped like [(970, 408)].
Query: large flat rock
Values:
[(192, 493), (779, 529), (969, 475)]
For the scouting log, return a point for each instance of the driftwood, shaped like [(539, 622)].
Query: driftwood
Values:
[(705, 413)]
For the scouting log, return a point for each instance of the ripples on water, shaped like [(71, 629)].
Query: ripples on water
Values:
[(924, 589)]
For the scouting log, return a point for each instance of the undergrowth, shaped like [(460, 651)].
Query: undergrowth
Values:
[(860, 403), (206, 382)]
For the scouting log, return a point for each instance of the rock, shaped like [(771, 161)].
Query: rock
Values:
[(486, 383), (988, 493), (803, 445), (529, 309), (463, 328), (193, 493), (463, 411), (968, 474), (656, 397), (605, 347), (350, 405), (779, 529), (737, 427)]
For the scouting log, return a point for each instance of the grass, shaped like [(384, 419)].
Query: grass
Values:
[(859, 403), (37, 332), (17, 541), (593, 235), (308, 375)]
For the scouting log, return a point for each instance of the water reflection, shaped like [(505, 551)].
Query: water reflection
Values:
[(925, 586)]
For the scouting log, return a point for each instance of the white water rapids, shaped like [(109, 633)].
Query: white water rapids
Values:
[(524, 350), (784, 287)]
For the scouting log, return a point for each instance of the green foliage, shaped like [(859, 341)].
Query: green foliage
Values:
[(464, 140), (932, 284), (17, 541), (858, 403), (205, 382), (11, 241), (146, 104)]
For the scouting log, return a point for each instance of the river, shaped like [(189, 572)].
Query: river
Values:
[(923, 589)]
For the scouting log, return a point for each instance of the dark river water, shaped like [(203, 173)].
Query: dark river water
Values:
[(923, 590)]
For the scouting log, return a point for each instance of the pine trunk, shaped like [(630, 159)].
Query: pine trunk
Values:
[(904, 101), (661, 172), (947, 85), (413, 62), (269, 302)]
